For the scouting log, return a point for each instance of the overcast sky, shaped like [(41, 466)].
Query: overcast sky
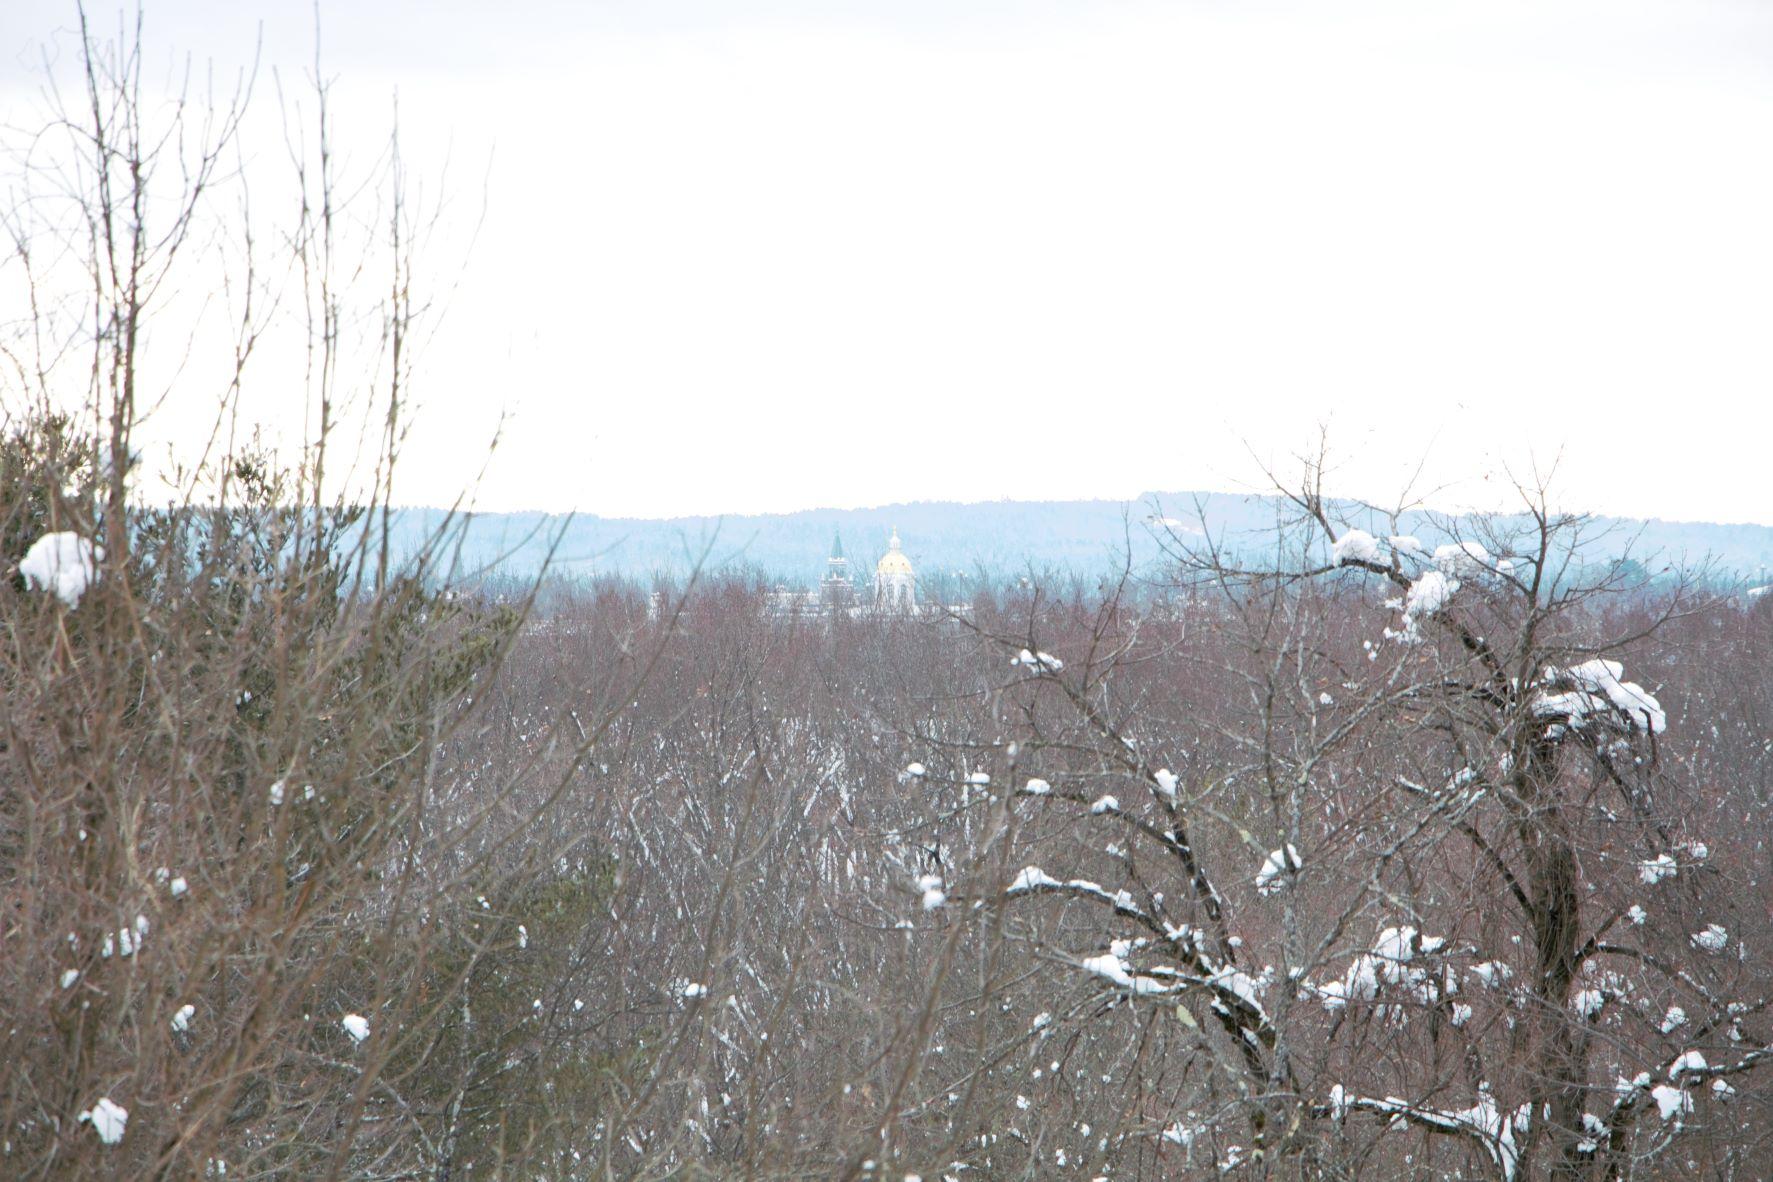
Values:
[(767, 256)]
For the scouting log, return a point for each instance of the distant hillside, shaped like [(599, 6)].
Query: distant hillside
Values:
[(998, 539)]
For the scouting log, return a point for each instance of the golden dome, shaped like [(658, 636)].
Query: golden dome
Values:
[(893, 562)]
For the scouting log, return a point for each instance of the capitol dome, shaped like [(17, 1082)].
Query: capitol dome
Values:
[(895, 583), (893, 562)]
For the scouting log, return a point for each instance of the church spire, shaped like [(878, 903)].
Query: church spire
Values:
[(835, 587)]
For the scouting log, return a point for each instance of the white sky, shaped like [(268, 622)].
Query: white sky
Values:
[(847, 253)]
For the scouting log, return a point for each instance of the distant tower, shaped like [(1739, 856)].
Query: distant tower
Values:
[(895, 583), (835, 589)]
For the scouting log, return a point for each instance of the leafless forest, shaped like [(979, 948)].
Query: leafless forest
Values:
[(1361, 858), (1210, 878)]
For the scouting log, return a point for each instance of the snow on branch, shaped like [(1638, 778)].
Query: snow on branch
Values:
[(1501, 1132), (1039, 662), (1593, 691), (1395, 961), (1357, 545), (1278, 870), (1032, 880), (1432, 591)]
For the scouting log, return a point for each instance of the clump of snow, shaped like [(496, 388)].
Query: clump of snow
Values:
[(1036, 787), (64, 564), (1428, 596), (692, 989), (277, 793), (1357, 545), (69, 976), (1273, 876), (1434, 589), (1671, 1102), (1105, 804), (1687, 1061), (913, 771), (1712, 939), (1675, 1017), (181, 1021), (1722, 1089), (1168, 784), (356, 1025), (1595, 690), (127, 941), (1108, 965), (1038, 661), (1468, 559), (1408, 545), (107, 1120), (1032, 878), (1393, 961), (930, 886), (178, 887), (1399, 945), (1588, 1003), (1656, 869), (979, 779), (1636, 914), (1492, 972), (1113, 967), (1247, 988)]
